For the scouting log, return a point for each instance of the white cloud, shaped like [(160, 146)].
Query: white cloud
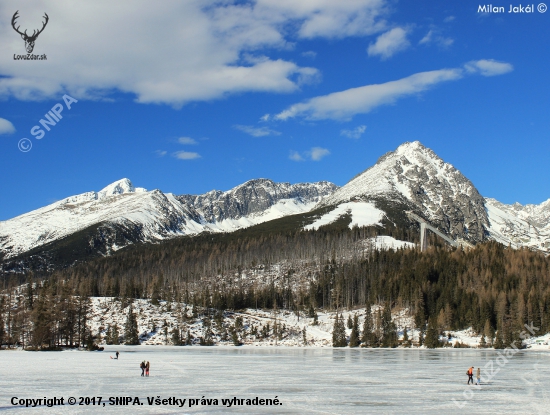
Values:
[(160, 153), (295, 156), (6, 127), (434, 37), (449, 19), (175, 52), (427, 39), (355, 133), (186, 155), (265, 117), (309, 54), (314, 154), (488, 67), (317, 153), (389, 43), (256, 131), (329, 18), (343, 105), (186, 140)]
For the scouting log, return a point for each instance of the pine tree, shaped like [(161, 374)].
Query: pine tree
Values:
[(42, 319), (377, 337), (389, 334), (30, 294), (304, 336), (155, 295), (1, 322), (207, 339), (432, 335), (116, 335), (218, 320), (165, 330), (516, 336), (235, 336), (90, 340), (368, 329), (83, 305), (499, 343), (350, 322), (507, 333), (420, 315), (131, 335), (339, 332), (489, 333), (406, 342), (112, 337), (482, 342), (354, 337), (176, 337)]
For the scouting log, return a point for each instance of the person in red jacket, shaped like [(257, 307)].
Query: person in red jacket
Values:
[(470, 374)]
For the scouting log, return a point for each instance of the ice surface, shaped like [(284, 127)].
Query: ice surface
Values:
[(306, 381)]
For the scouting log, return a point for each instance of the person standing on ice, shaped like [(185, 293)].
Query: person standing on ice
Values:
[(470, 374), (147, 366), (478, 376), (142, 367), (116, 355)]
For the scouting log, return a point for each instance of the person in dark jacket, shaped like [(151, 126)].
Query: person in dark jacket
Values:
[(470, 374), (142, 367)]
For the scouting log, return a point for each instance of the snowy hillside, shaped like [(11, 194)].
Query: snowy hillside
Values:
[(362, 214), (157, 322)]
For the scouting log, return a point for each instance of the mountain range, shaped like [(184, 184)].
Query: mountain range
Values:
[(411, 178)]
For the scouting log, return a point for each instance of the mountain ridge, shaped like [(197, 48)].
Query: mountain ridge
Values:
[(157, 215), (412, 177)]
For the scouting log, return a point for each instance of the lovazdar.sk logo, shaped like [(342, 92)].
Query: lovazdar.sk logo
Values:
[(29, 39)]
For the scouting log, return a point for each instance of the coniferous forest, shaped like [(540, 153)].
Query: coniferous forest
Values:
[(492, 288)]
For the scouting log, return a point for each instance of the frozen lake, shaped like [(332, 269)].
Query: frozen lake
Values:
[(305, 380)]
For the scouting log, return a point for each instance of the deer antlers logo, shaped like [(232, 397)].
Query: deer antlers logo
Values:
[(29, 40)]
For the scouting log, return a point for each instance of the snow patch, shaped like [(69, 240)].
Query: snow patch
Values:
[(362, 214)]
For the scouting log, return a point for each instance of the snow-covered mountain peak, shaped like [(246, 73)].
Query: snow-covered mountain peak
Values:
[(538, 215), (117, 188), (411, 146), (520, 225), (414, 174)]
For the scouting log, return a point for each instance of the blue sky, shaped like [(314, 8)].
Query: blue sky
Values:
[(192, 96)]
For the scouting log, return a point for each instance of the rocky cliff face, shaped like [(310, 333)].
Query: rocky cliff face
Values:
[(518, 225), (255, 197), (416, 176)]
